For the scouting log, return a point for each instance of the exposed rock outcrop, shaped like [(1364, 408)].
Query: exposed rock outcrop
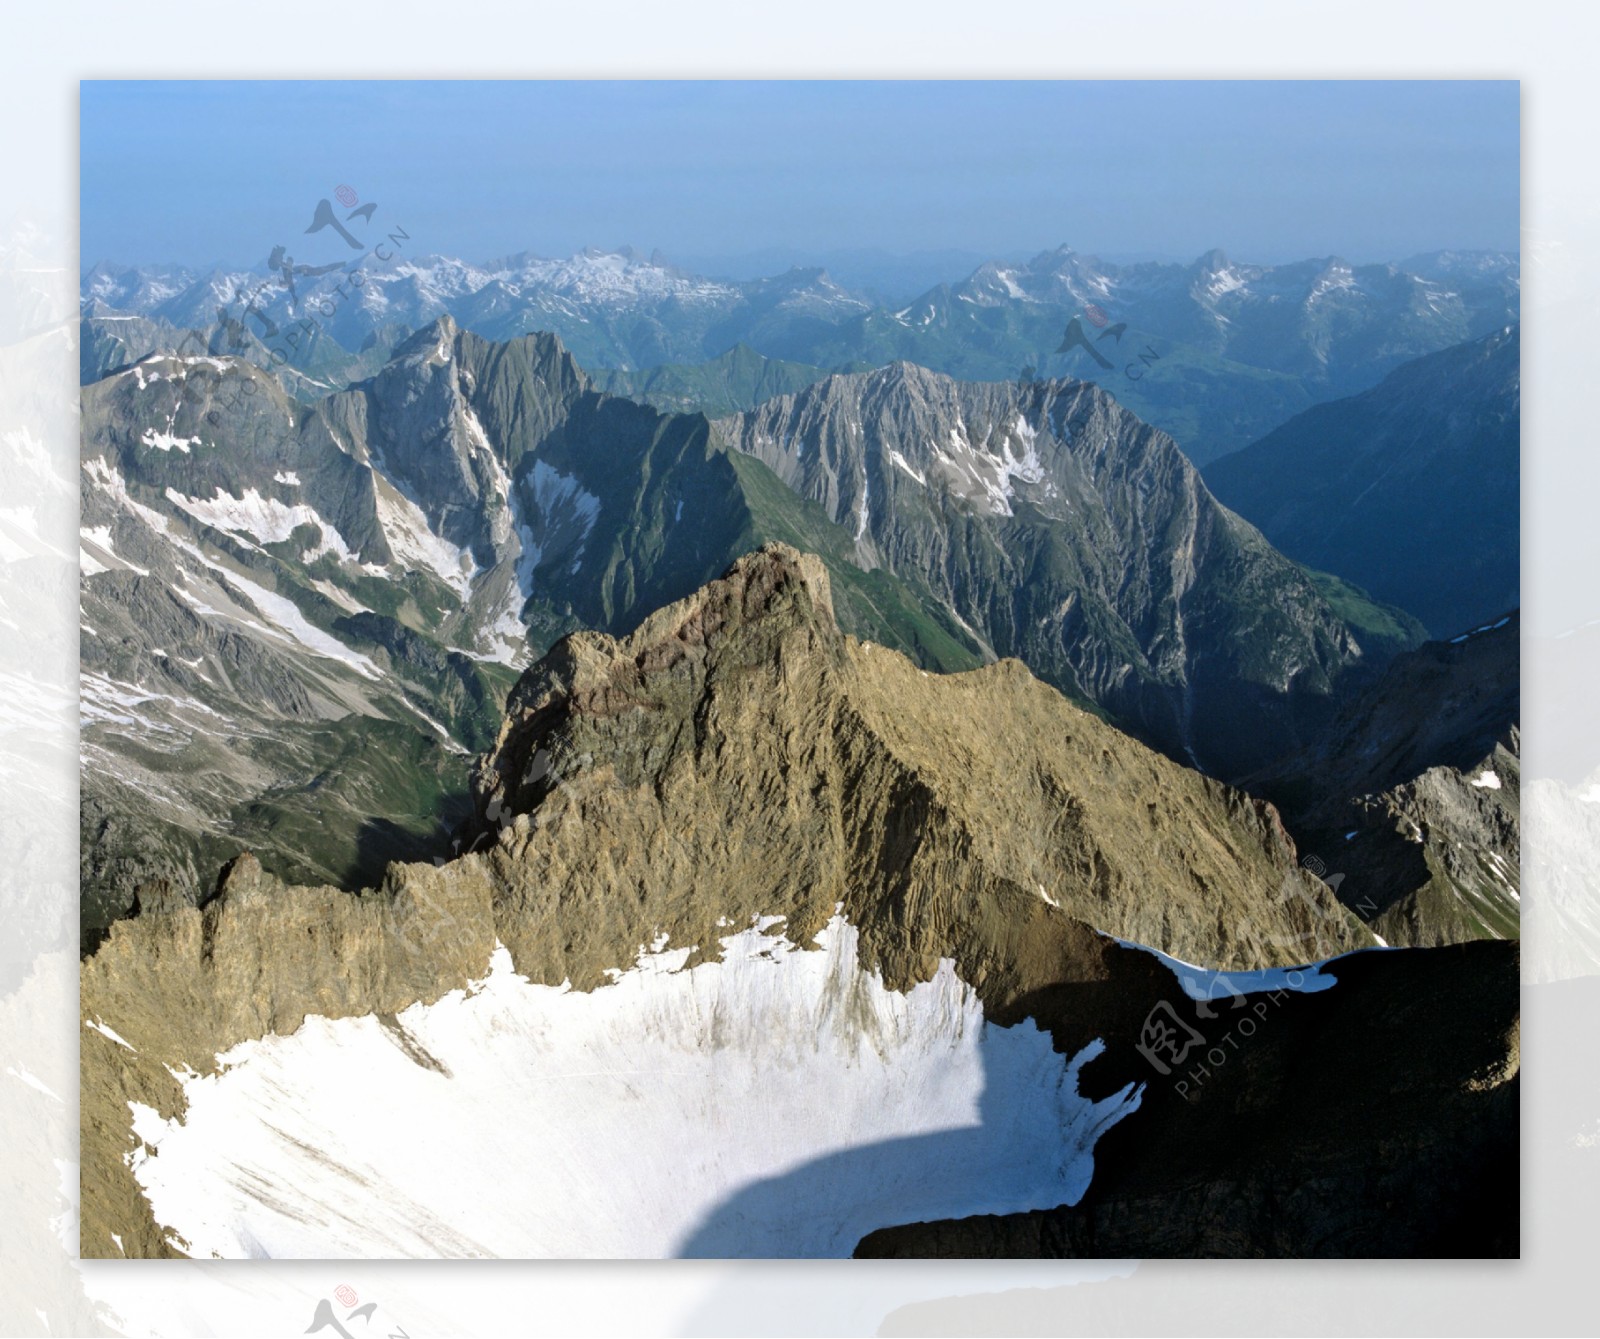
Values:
[(1411, 801), (1378, 1118)]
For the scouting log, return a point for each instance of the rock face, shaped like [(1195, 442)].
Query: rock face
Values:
[(737, 757), (1414, 794), (840, 773), (1333, 1129), (1409, 490), (178, 985), (1065, 532)]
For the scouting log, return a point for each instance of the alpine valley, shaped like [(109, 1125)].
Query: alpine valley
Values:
[(581, 758)]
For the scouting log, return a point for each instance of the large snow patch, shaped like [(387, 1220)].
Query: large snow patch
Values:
[(777, 1103)]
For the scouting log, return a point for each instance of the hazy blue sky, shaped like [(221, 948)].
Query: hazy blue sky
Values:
[(199, 172)]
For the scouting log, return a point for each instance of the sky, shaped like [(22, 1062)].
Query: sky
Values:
[(752, 176)]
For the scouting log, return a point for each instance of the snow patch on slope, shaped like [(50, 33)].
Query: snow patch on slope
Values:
[(776, 1103), (265, 519), (95, 553), (413, 542), (979, 474), (106, 477), (105, 1031), (285, 622), (901, 463), (168, 441), (1207, 983), (504, 637), (499, 482), (559, 496), (552, 514)]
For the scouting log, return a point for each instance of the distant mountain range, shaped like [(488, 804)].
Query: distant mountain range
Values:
[(270, 586), (1216, 353)]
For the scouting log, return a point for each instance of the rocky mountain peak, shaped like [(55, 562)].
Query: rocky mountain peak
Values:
[(775, 585), (943, 479), (743, 617), (436, 338), (739, 741), (772, 606)]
